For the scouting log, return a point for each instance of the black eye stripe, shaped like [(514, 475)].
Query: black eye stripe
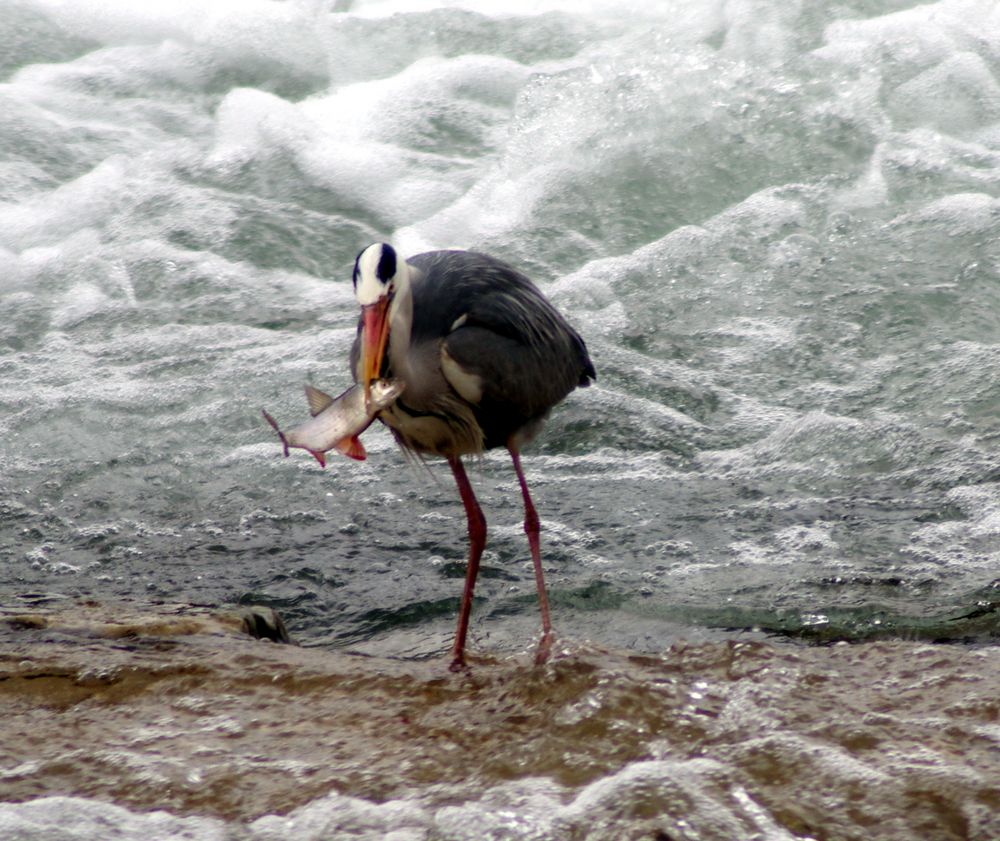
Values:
[(387, 263), (357, 271)]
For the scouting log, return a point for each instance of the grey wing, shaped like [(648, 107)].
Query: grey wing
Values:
[(521, 354), (504, 347)]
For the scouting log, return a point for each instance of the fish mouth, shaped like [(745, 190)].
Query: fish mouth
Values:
[(385, 393), (374, 338)]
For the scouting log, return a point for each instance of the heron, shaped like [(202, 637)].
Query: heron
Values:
[(484, 357)]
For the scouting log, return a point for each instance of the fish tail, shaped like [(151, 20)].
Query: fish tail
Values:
[(277, 429)]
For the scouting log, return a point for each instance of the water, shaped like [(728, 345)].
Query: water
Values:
[(775, 224), (171, 733)]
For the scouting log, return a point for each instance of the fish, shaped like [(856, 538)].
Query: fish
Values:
[(338, 421)]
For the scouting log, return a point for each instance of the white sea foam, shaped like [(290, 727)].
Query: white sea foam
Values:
[(384, 8), (691, 794)]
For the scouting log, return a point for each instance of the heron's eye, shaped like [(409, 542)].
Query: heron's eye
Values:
[(391, 289)]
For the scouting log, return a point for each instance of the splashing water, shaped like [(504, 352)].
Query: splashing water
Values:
[(775, 224)]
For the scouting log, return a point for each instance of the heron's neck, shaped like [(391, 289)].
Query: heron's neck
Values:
[(400, 325)]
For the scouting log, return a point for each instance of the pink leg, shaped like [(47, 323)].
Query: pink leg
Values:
[(477, 541), (531, 528)]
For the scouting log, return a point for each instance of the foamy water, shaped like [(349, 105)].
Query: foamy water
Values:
[(775, 224), (159, 723)]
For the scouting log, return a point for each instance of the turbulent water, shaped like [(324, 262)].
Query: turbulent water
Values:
[(776, 224)]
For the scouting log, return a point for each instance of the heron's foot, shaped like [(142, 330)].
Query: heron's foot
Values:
[(458, 663), (544, 648)]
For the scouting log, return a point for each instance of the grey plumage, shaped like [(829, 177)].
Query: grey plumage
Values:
[(508, 335)]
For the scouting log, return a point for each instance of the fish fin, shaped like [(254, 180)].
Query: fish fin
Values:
[(352, 448), (319, 456), (277, 429), (318, 400)]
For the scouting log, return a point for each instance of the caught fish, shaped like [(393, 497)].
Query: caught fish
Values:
[(338, 421)]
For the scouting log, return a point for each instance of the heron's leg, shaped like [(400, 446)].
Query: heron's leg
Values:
[(477, 540), (531, 528)]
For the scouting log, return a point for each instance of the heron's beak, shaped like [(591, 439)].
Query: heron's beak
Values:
[(374, 337)]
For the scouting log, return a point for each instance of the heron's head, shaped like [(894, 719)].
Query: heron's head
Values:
[(377, 273)]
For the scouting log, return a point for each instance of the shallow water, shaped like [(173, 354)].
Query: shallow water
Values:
[(194, 733), (776, 225)]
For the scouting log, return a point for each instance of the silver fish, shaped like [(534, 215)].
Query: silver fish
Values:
[(338, 421)]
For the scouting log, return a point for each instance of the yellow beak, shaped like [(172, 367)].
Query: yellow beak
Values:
[(374, 338)]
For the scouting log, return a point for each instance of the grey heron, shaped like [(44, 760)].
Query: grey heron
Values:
[(484, 357)]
